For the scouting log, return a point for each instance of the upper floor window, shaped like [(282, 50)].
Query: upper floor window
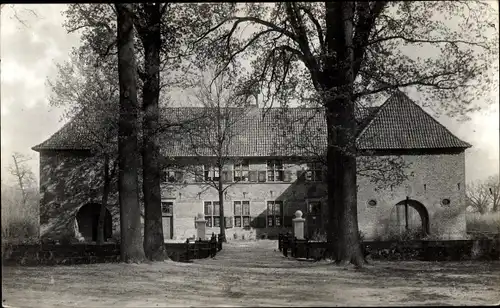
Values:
[(210, 173), (170, 176), (241, 171), (212, 213), (314, 172), (274, 170)]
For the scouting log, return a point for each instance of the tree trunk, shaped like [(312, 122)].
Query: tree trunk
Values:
[(104, 201), (221, 202), (154, 246), (341, 180), (130, 225)]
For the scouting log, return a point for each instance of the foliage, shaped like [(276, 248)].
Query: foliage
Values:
[(484, 195)]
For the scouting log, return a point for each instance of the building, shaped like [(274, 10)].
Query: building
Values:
[(273, 174)]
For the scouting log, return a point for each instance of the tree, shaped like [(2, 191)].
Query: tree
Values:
[(23, 173), (484, 195), (340, 54), (148, 25), (130, 224), (165, 32), (210, 137)]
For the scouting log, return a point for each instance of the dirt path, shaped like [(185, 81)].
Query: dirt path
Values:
[(252, 274)]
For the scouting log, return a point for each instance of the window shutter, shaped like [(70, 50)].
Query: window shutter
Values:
[(262, 176), (288, 221), (252, 176), (228, 222)]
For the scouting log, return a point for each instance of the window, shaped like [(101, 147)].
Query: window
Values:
[(242, 213), (210, 173), (315, 172), (212, 213), (314, 208), (274, 213), (167, 208), (171, 176), (241, 171), (274, 170)]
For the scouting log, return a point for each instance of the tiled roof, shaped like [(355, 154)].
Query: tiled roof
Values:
[(402, 124), (398, 124)]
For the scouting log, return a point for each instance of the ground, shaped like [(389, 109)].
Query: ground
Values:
[(252, 274)]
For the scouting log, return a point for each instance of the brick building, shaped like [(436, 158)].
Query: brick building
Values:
[(271, 174)]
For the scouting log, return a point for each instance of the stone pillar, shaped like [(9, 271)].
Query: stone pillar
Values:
[(298, 225), (201, 224)]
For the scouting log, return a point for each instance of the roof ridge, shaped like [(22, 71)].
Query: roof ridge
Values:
[(434, 120)]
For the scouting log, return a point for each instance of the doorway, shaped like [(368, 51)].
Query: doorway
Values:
[(167, 213), (314, 220)]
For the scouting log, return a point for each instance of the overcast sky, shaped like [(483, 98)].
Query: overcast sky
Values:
[(29, 52)]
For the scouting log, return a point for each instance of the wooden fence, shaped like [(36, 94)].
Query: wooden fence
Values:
[(425, 250)]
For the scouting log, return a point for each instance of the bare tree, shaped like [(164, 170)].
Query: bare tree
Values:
[(23, 173), (210, 139), (484, 195), (335, 54)]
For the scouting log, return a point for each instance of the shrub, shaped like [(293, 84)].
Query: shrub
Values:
[(483, 223), (319, 236)]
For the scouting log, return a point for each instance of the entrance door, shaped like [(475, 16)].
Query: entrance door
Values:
[(167, 211), (313, 218)]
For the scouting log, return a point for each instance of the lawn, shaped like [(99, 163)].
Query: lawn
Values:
[(252, 274)]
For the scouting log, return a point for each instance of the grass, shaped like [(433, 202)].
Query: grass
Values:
[(252, 273), (483, 223)]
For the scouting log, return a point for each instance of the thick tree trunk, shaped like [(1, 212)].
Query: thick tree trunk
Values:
[(154, 246), (130, 225), (104, 201), (221, 202), (341, 180)]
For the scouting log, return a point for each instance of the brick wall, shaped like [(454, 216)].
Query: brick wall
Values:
[(69, 181), (444, 178)]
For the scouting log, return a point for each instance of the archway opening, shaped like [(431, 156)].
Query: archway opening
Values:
[(409, 218), (88, 219)]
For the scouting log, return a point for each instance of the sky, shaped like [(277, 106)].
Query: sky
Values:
[(31, 45)]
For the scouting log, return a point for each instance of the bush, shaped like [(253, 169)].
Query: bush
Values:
[(483, 223), (319, 236)]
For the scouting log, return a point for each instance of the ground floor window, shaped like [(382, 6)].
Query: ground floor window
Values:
[(274, 213), (242, 213), (212, 213)]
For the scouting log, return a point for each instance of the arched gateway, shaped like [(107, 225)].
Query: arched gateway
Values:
[(410, 216), (88, 219)]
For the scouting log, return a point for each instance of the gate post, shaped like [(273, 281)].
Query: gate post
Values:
[(201, 224), (298, 225)]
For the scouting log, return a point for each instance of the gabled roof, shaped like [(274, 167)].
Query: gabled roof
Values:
[(402, 124), (398, 124)]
